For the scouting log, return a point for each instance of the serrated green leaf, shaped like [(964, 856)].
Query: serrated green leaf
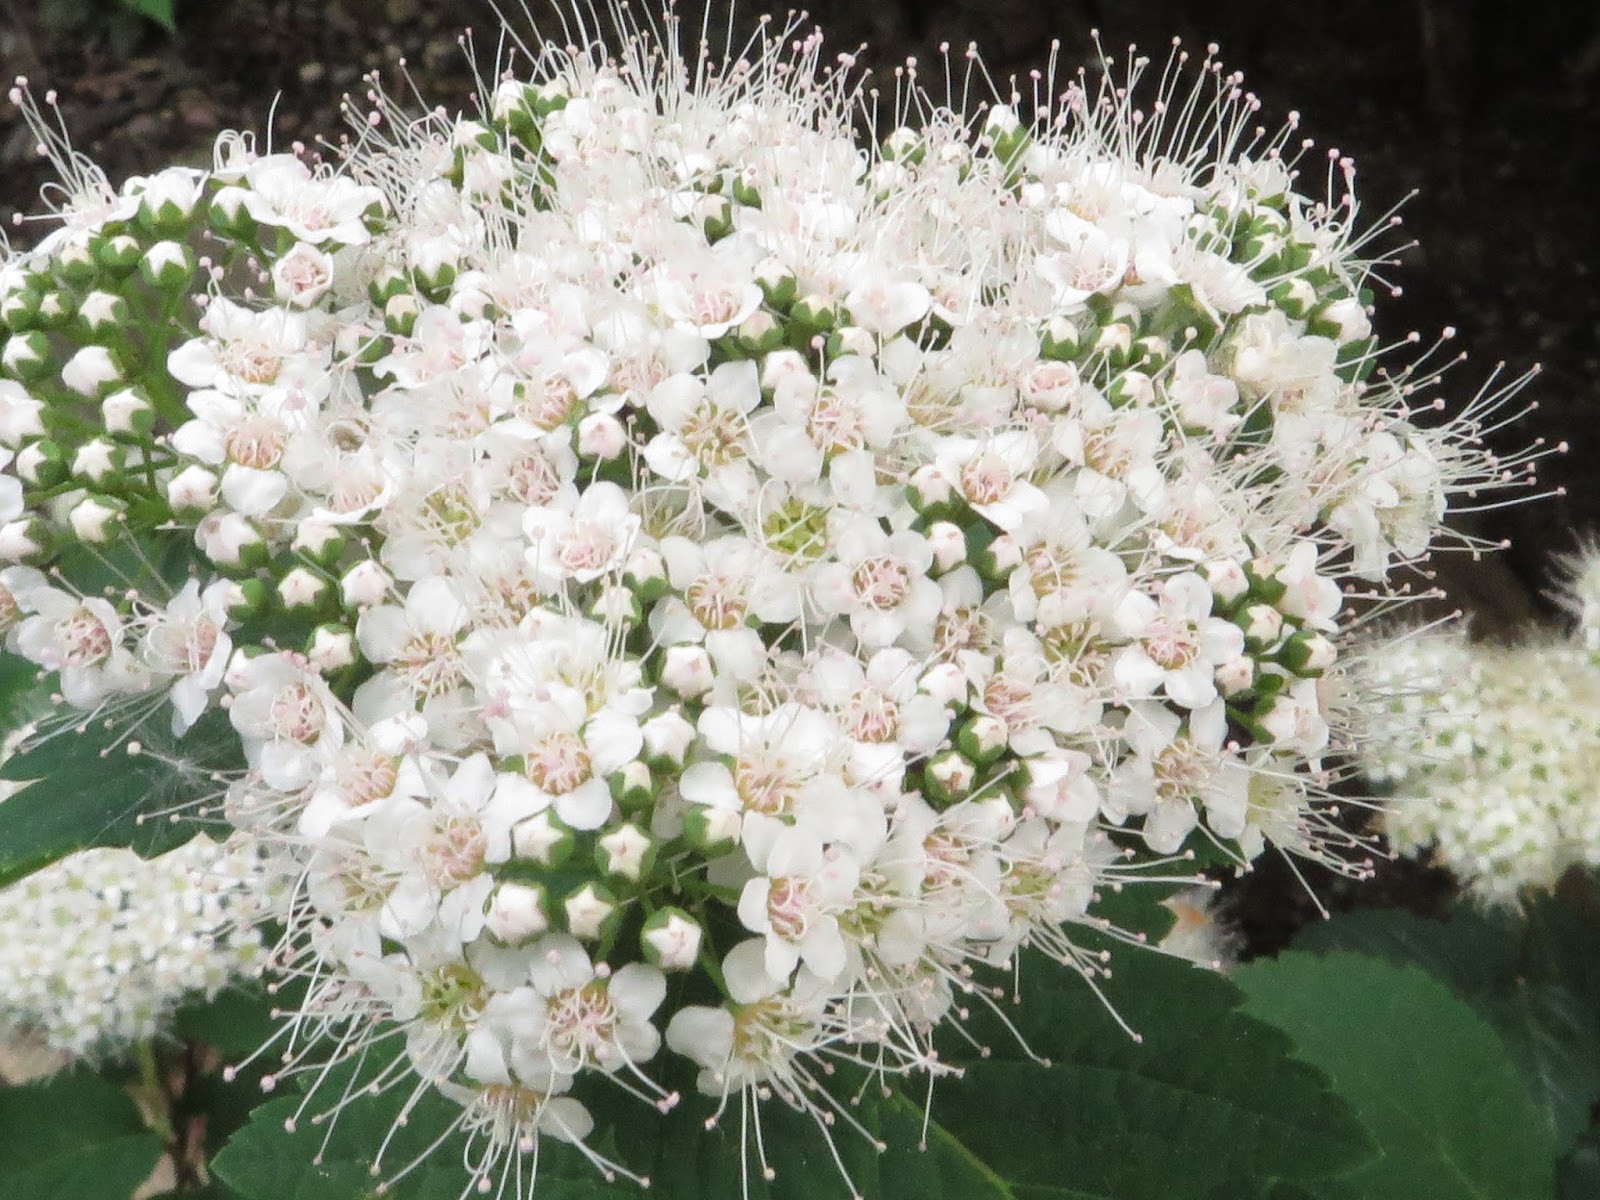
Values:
[(1209, 1100), (1209, 1105), (72, 1137), (1430, 1078), (86, 790), (1536, 980)]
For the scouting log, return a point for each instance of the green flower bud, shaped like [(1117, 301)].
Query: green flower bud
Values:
[(99, 460), (303, 591), (543, 839), (633, 787), (590, 912), (117, 256), (627, 851), (168, 266), (517, 912), (982, 739), (27, 355), (42, 463), (251, 600), (670, 939), (101, 313), (712, 830), (948, 778)]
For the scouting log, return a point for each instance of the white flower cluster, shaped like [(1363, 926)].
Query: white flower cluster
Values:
[(97, 950), (1493, 751), (643, 530)]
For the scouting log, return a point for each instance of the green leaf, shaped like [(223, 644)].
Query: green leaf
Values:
[(1537, 981), (86, 790), (1210, 1106), (1578, 1174), (72, 1137), (1429, 1077), (22, 696), (159, 11), (1208, 1103)]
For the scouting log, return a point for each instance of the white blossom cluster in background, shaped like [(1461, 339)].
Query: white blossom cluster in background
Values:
[(1493, 752), (99, 949), (643, 530)]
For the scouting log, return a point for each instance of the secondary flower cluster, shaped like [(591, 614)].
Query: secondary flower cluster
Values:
[(97, 950), (644, 530), (1493, 751)]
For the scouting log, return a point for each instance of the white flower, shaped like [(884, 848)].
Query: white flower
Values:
[(1177, 644)]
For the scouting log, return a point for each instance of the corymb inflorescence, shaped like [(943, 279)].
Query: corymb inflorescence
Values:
[(700, 592)]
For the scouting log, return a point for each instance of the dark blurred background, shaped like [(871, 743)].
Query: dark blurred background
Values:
[(1487, 110)]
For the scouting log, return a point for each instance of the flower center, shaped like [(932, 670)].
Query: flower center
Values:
[(431, 663), (872, 716), (788, 907), (987, 479), (559, 765), (84, 639), (1171, 645), (881, 583), (582, 1022), (295, 714), (256, 442), (764, 787), (454, 855), (713, 435), (715, 602)]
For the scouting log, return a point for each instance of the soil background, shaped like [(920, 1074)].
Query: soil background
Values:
[(1490, 112)]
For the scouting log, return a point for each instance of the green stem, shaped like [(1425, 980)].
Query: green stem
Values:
[(155, 1095)]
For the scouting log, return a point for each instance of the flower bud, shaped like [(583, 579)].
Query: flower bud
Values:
[(1226, 579), (982, 739), (1263, 626), (41, 464), (949, 545), (687, 670), (1308, 654), (20, 414), (320, 541), (231, 541), (516, 912), (948, 778), (24, 540), (589, 911), (167, 266), (543, 839), (670, 940), (168, 200), (667, 738), (27, 355), (712, 830), (94, 519), (128, 412), (192, 490), (91, 371), (945, 683), (243, 599), (304, 590), (1236, 675), (646, 573), (365, 584), (632, 787), (98, 460), (601, 436), (117, 256), (331, 648), (627, 852)]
